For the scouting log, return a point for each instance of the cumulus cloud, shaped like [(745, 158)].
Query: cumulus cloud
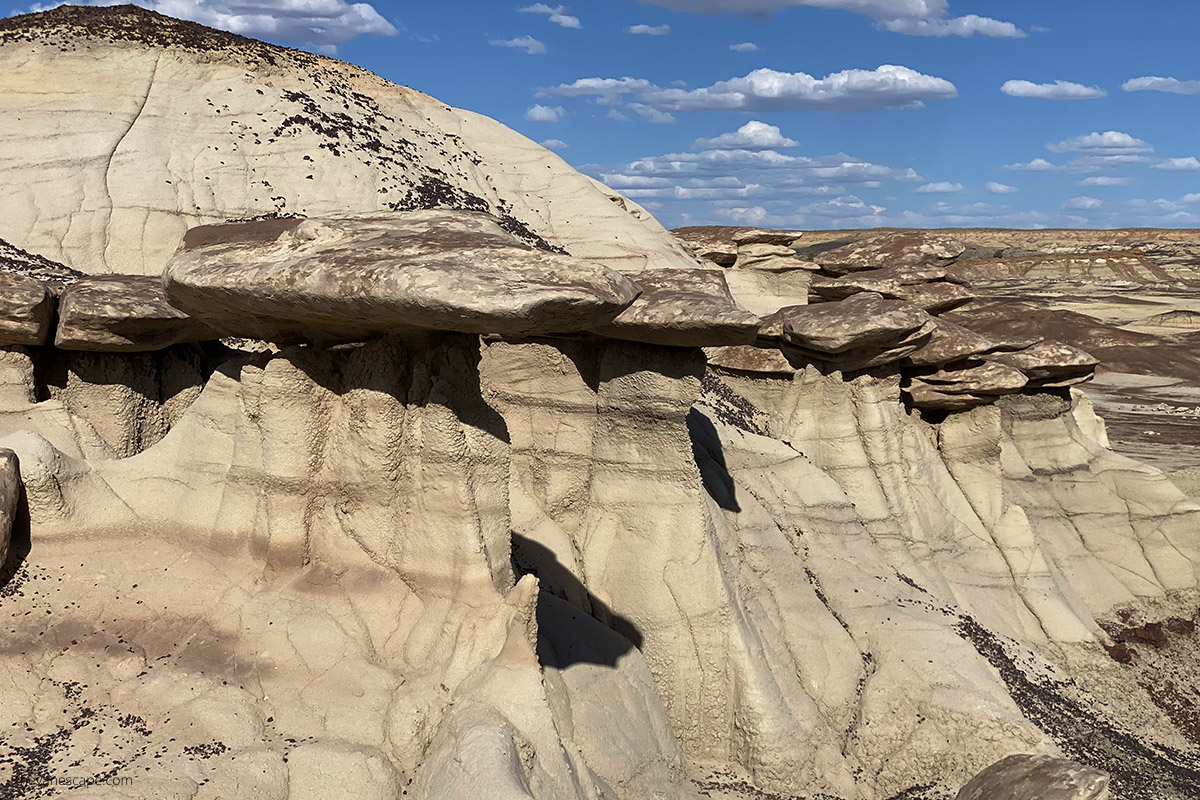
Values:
[(1191, 198), (540, 113), (1108, 143), (1189, 164), (1059, 90), (887, 86), (1153, 83), (527, 43), (913, 17), (970, 25), (321, 23), (649, 30), (1105, 180), (1082, 203), (940, 187), (650, 113), (744, 47), (556, 14), (754, 135), (554, 144), (1000, 188)]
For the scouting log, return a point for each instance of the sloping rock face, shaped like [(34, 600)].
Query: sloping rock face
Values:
[(176, 125), (1036, 777), (439, 564)]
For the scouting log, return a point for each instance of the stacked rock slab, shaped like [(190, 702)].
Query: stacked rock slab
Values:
[(123, 314), (762, 269)]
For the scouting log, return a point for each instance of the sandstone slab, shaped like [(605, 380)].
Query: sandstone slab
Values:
[(1051, 363), (26, 307), (902, 248), (766, 236), (123, 313), (864, 320), (351, 278), (948, 343), (683, 308)]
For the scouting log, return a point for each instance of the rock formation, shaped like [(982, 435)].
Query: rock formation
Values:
[(492, 490)]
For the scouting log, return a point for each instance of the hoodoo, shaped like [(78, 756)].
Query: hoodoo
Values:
[(353, 445)]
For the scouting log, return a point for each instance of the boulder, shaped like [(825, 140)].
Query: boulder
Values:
[(123, 314), (746, 358), (900, 249), (1027, 777), (865, 320), (26, 307), (683, 308), (10, 494), (1051, 364), (342, 279), (766, 236)]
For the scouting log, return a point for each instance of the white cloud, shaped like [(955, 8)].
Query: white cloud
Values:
[(1105, 180), (744, 47), (1000, 188), (320, 23), (940, 187), (1191, 198), (887, 86), (540, 113), (1155, 84), (556, 14), (1059, 90), (1189, 164), (1082, 203), (649, 30), (1036, 165), (554, 144), (1108, 143), (527, 43), (970, 25), (617, 115), (914, 17), (754, 135), (650, 113)]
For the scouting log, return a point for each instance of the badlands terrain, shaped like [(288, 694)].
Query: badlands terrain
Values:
[(355, 446)]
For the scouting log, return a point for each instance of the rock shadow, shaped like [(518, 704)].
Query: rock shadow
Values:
[(710, 460), (566, 633), (19, 544)]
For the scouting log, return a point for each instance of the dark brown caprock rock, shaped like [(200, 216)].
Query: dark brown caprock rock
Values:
[(903, 248), (865, 320), (123, 314), (10, 493), (1027, 777), (345, 279), (26, 306), (683, 308), (1051, 364), (948, 343), (766, 236)]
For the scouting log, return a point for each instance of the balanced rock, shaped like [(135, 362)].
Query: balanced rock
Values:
[(1052, 364), (10, 494), (766, 236), (123, 313), (903, 248), (25, 310), (683, 308), (864, 320), (1026, 777), (985, 377), (350, 278), (769, 257)]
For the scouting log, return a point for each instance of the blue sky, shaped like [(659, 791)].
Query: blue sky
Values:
[(810, 113)]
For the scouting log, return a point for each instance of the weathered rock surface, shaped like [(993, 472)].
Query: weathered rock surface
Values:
[(971, 384), (26, 308), (902, 248), (10, 494), (864, 320), (351, 278), (123, 313), (175, 125), (16, 261), (770, 236), (948, 343), (683, 308), (1023, 777), (1051, 363)]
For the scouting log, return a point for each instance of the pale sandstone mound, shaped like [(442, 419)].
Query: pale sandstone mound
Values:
[(903, 248), (1025, 777), (350, 278), (683, 308), (175, 125), (123, 313), (26, 306)]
